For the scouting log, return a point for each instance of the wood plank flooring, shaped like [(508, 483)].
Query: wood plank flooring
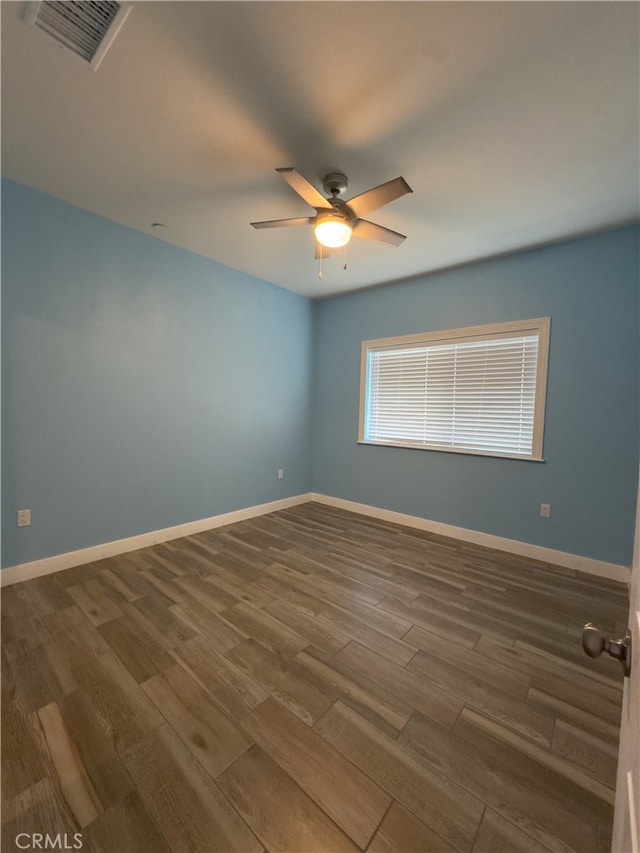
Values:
[(310, 681)]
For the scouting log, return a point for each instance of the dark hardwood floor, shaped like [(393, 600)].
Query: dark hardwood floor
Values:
[(310, 680)]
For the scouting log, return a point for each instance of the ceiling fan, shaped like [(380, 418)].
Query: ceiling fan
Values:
[(337, 219)]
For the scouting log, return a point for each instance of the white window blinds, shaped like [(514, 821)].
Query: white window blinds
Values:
[(477, 394)]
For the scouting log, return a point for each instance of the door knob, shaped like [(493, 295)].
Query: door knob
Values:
[(594, 643)]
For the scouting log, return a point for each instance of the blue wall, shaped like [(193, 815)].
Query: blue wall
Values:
[(589, 288), (143, 386)]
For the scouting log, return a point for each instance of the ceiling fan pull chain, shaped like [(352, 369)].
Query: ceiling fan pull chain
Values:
[(344, 266), (320, 270)]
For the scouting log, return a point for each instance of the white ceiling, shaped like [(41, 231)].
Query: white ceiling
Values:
[(514, 123)]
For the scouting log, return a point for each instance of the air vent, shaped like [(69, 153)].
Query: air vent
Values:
[(85, 28)]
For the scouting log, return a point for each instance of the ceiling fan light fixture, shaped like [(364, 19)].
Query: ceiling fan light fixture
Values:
[(333, 231)]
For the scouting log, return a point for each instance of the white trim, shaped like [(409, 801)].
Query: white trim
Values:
[(544, 333), (491, 330), (539, 326), (561, 559), (59, 562), (439, 448)]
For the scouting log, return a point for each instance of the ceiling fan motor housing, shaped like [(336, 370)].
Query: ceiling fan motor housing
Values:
[(335, 184)]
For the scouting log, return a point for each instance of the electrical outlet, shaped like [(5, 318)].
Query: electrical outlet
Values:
[(281, 473), (545, 510), (24, 517)]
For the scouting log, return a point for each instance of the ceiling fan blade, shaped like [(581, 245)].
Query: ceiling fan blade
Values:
[(371, 231), (304, 189), (378, 196), (283, 223), (322, 249)]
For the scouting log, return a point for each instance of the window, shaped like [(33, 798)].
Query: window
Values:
[(476, 390)]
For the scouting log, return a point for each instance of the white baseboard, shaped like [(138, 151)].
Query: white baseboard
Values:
[(26, 571), (476, 537), (59, 562)]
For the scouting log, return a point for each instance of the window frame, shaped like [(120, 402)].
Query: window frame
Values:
[(540, 326)]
